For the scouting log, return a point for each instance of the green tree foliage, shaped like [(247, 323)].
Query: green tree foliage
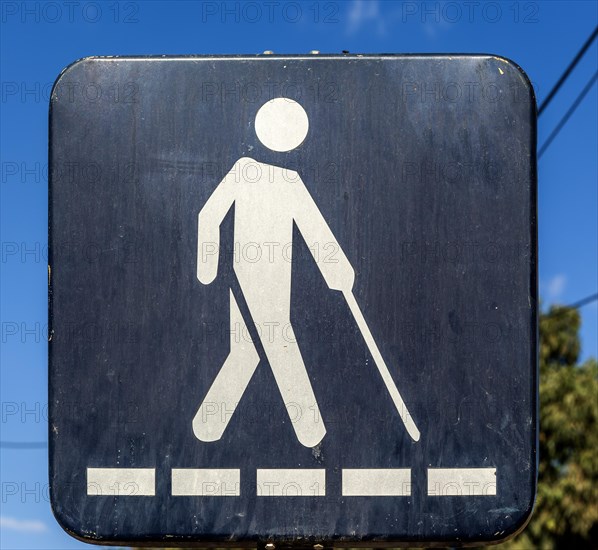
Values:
[(566, 512)]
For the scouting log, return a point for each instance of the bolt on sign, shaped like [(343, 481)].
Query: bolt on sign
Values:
[(293, 300)]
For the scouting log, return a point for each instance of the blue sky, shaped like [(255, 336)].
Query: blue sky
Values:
[(38, 39)]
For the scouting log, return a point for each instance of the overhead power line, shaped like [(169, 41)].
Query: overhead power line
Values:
[(567, 72), (568, 114), (584, 301), (560, 310)]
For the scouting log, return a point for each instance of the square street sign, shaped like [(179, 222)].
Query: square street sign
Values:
[(293, 300)]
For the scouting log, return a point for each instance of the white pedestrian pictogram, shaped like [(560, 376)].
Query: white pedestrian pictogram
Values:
[(268, 199)]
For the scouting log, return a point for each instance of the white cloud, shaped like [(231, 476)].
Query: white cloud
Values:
[(362, 12), (553, 289), (22, 525)]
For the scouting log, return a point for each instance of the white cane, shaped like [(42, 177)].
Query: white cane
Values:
[(384, 372)]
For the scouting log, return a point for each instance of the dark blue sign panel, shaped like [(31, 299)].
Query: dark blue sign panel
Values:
[(293, 300)]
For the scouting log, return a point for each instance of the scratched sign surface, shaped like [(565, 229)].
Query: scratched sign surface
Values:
[(293, 299)]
